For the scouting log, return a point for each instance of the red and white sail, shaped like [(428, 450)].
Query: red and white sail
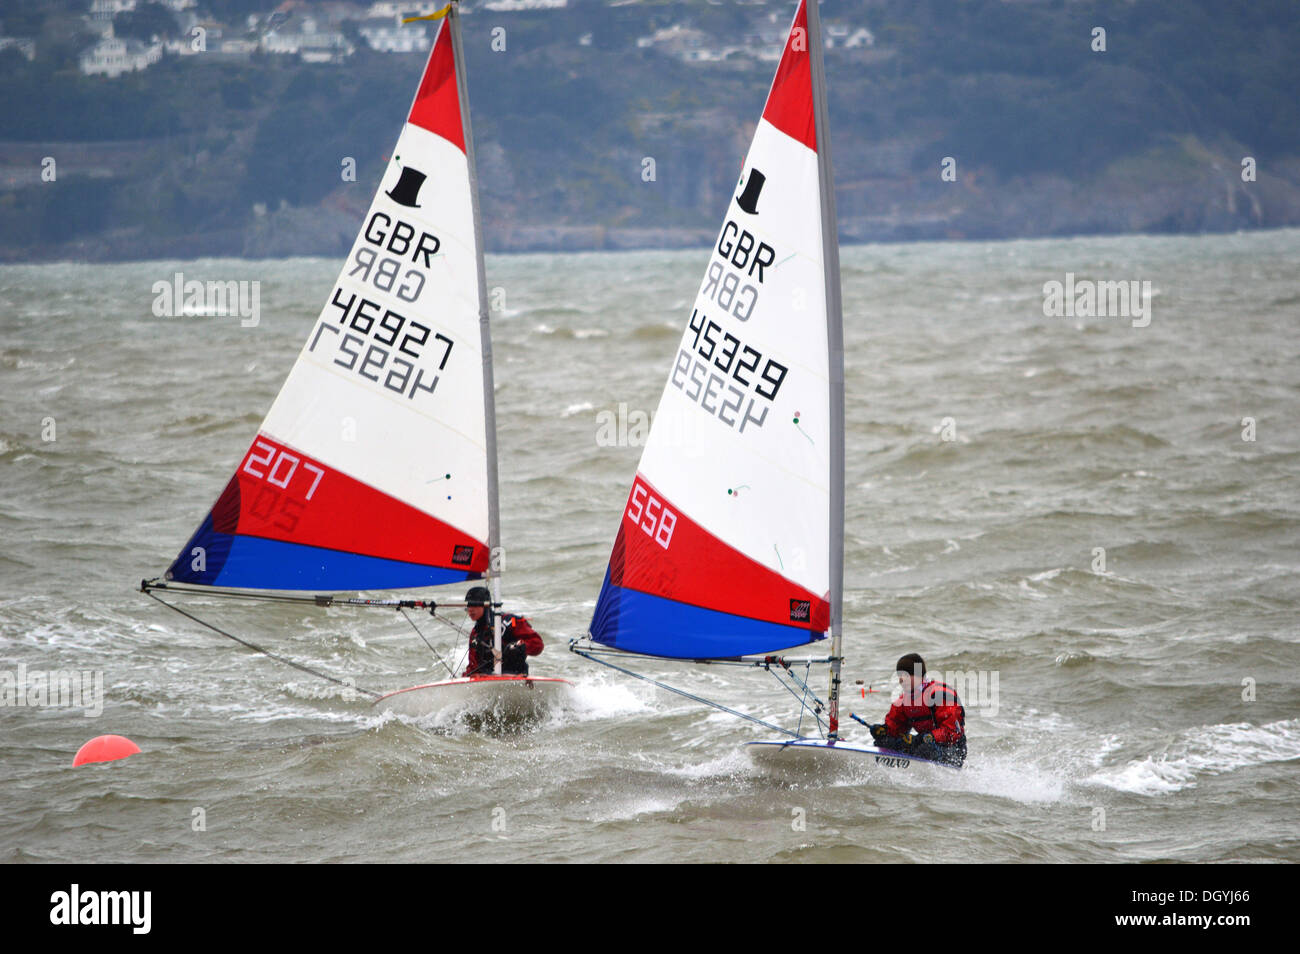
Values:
[(375, 465), (725, 545)]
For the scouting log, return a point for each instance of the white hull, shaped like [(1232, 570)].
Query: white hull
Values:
[(506, 699), (811, 758)]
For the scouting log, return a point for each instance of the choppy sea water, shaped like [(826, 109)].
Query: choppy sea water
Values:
[(1147, 709)]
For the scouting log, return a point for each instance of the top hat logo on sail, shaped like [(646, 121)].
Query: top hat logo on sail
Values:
[(748, 200), (407, 190)]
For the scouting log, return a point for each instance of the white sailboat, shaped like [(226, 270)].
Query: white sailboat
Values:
[(376, 467), (731, 545)]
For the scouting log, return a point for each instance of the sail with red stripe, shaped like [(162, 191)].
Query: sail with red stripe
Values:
[(726, 546), (375, 467)]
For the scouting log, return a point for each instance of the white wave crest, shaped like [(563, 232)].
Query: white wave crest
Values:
[(1207, 751)]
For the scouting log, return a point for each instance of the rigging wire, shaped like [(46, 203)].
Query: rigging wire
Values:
[(148, 586), (436, 655), (817, 707), (460, 630), (264, 652)]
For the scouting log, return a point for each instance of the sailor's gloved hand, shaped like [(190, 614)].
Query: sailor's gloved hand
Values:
[(878, 733)]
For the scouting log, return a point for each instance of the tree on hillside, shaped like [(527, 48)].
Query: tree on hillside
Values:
[(145, 22)]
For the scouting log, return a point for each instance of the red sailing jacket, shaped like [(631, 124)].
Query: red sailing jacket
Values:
[(513, 662), (934, 708)]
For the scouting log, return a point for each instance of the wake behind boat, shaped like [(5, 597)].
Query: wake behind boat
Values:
[(376, 467)]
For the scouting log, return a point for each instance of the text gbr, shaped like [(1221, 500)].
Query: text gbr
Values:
[(719, 373)]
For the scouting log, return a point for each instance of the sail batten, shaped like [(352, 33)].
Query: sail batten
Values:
[(375, 466), (725, 544)]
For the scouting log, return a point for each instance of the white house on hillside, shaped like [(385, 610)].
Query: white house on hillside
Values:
[(389, 36), (847, 37), (515, 6), (387, 10), (107, 9), (24, 45), (113, 56), (309, 42)]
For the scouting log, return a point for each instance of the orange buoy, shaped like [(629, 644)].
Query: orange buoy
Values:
[(105, 748)]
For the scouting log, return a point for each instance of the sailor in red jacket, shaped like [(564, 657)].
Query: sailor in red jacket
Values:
[(518, 639), (929, 708)]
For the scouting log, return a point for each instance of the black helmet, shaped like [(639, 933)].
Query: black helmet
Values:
[(478, 596)]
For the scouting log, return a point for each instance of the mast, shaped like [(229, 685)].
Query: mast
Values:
[(485, 337), (835, 345)]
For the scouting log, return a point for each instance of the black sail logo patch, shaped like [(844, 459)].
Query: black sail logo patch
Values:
[(407, 190), (748, 200), (800, 611), (461, 555)]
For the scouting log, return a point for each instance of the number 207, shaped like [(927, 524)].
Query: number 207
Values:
[(648, 512)]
